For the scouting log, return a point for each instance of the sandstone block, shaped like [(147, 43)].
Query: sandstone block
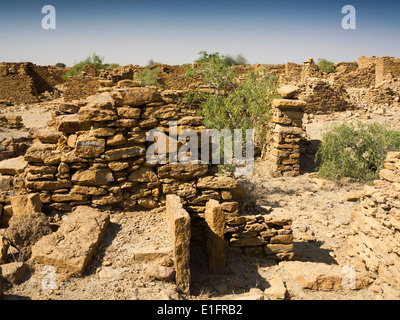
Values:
[(179, 223), (93, 177), (277, 289), (13, 166), (71, 247), (137, 97), (215, 219), (143, 174), (288, 104), (88, 146), (217, 182), (26, 204)]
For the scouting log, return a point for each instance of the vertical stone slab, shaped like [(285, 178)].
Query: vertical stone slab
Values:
[(179, 224), (216, 247)]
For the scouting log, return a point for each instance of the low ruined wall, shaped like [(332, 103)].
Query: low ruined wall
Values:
[(323, 98), (261, 234), (375, 242), (16, 84), (359, 78), (11, 122), (96, 154), (386, 67), (24, 82), (81, 87)]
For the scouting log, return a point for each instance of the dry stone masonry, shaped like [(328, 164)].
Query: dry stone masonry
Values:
[(282, 148), (375, 242)]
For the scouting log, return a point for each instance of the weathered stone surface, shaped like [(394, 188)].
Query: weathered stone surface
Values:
[(216, 247), (288, 91), (115, 141), (44, 153), (124, 153), (179, 223), (247, 242), (128, 113), (160, 112), (47, 135), (181, 171), (118, 165), (288, 104), (288, 130), (70, 123), (13, 166), (218, 182), (4, 245), (71, 247), (25, 230), (89, 113), (88, 146), (389, 175), (137, 97), (92, 191), (143, 174), (47, 185), (190, 120), (93, 177), (160, 273), (278, 248), (147, 203), (64, 197), (26, 204), (320, 276), (277, 289), (12, 272), (107, 199), (231, 206)]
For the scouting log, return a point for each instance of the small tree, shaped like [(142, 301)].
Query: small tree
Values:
[(60, 65), (152, 63), (232, 104), (148, 77), (326, 66), (91, 60)]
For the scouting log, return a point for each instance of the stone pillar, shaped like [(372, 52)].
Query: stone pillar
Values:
[(216, 247), (309, 70), (282, 149), (179, 223)]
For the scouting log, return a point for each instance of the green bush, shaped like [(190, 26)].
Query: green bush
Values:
[(326, 66), (91, 60), (148, 76), (355, 150), (60, 65)]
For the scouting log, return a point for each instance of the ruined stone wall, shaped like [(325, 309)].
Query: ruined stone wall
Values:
[(16, 85), (359, 78), (81, 87), (11, 122), (96, 155), (47, 77), (375, 242), (292, 74), (24, 82), (323, 98), (386, 67), (365, 62)]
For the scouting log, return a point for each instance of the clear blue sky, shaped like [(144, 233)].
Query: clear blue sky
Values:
[(173, 32)]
